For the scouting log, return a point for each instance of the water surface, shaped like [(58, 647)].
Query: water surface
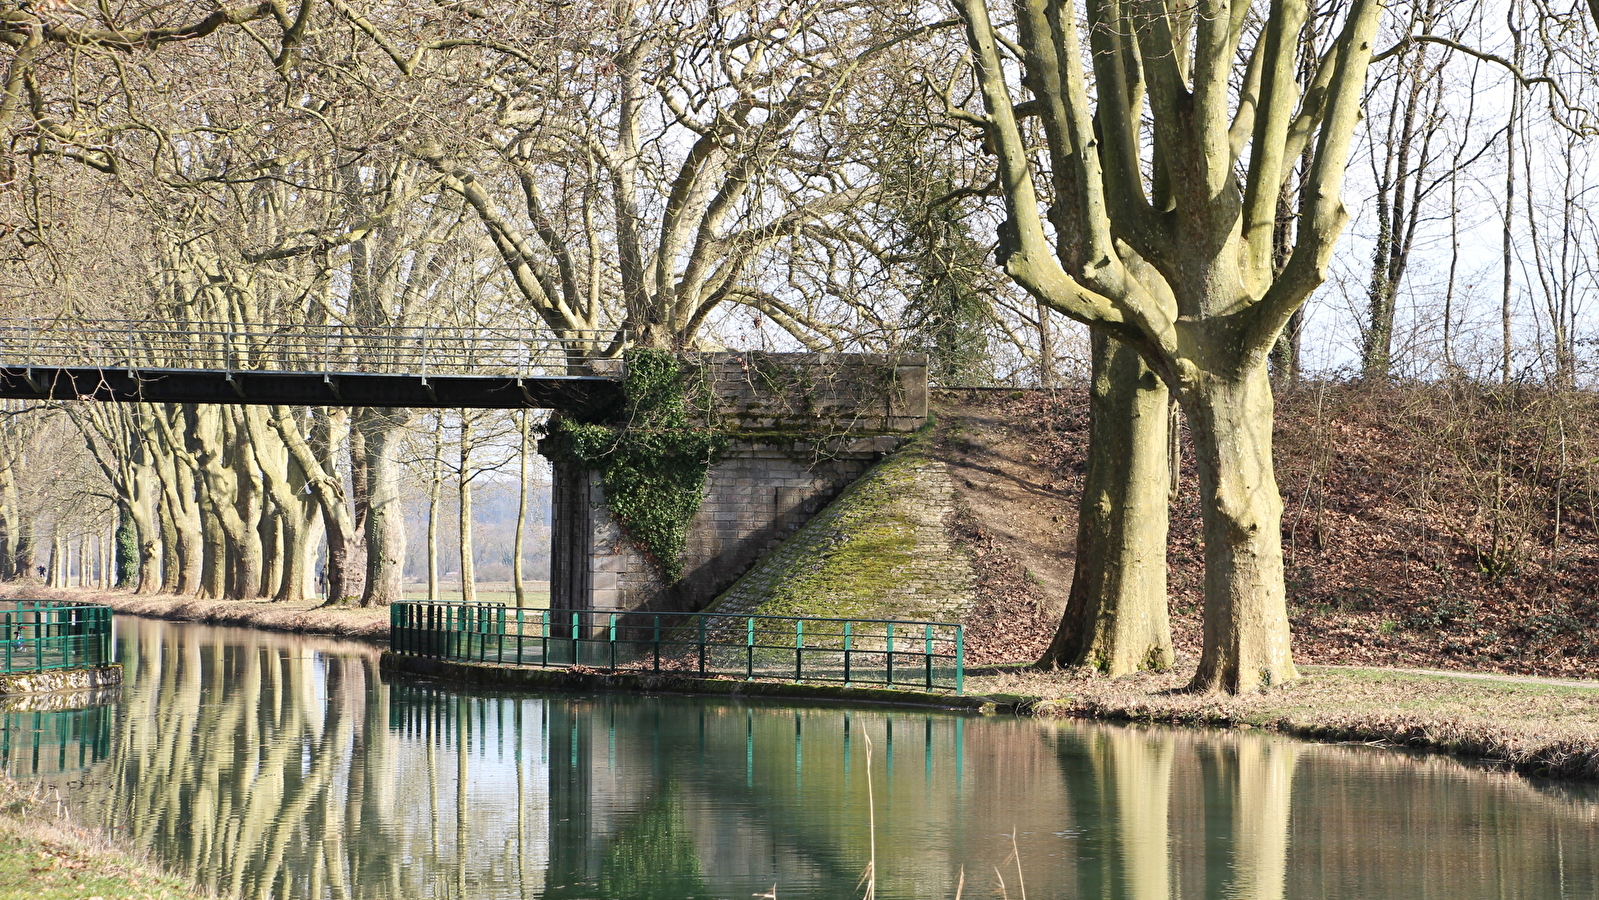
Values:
[(281, 766)]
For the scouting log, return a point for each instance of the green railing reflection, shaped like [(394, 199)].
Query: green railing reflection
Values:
[(895, 653), (40, 635)]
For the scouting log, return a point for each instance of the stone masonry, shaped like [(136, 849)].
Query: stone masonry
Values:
[(881, 550), (815, 423)]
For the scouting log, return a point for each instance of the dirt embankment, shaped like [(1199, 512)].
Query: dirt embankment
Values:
[(1441, 527), (367, 624)]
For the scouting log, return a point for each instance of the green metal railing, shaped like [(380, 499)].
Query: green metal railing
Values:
[(927, 655), (39, 635)]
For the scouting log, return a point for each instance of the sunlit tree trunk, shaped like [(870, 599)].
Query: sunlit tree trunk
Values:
[(517, 542), (435, 484), (1115, 619), (464, 494), (385, 519)]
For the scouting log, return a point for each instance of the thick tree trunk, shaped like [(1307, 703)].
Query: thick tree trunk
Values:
[(346, 563), (1115, 619), (213, 556), (1247, 643), (385, 520), (170, 565)]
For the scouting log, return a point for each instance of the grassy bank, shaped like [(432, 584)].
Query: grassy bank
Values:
[(1534, 726), (45, 857)]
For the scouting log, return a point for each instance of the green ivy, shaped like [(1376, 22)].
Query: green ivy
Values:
[(653, 465)]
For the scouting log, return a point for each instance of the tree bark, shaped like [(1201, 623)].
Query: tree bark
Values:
[(435, 482), (1247, 641), (385, 519), (517, 543), (464, 508), (346, 564), (1115, 619)]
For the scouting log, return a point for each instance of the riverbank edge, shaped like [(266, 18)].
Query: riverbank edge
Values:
[(49, 681), (505, 677), (1573, 760), (35, 843), (1576, 760), (261, 615)]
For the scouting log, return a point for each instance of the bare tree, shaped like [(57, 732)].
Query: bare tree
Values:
[(1227, 119)]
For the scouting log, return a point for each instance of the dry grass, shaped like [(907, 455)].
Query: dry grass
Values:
[(299, 618), (44, 856), (1533, 726)]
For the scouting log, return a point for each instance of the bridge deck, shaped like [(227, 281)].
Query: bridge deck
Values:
[(307, 365), (575, 393)]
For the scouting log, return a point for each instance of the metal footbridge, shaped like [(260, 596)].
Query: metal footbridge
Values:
[(306, 365)]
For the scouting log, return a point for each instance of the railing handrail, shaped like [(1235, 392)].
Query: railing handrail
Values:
[(494, 604), (305, 348)]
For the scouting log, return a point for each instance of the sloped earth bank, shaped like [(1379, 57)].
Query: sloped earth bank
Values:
[(1436, 528), (44, 856)]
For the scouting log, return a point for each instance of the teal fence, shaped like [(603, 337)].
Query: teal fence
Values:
[(897, 653), (39, 635)]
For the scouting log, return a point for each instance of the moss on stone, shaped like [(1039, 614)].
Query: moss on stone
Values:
[(856, 558)]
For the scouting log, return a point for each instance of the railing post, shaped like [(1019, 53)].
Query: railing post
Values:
[(960, 660), (520, 632), (890, 654), (544, 638), (799, 649), (927, 657), (9, 640), (576, 624), (749, 648), (846, 650), (613, 641)]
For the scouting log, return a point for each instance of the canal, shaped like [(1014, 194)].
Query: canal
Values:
[(281, 766)]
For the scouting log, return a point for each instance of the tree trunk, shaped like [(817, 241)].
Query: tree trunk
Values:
[(517, 543), (213, 556), (434, 485), (385, 519), (1115, 619), (346, 564), (1246, 611), (468, 571)]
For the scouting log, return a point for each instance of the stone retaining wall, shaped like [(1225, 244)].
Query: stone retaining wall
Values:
[(803, 426), (61, 679), (881, 550)]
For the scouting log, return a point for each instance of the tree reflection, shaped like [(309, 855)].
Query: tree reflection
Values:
[(280, 766)]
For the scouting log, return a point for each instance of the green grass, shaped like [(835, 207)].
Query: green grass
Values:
[(42, 858)]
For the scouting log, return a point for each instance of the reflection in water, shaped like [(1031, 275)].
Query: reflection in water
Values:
[(280, 766), (44, 734)]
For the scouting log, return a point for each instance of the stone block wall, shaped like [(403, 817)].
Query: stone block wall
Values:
[(756, 496), (882, 550), (812, 424)]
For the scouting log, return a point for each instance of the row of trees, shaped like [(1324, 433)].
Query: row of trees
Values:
[(212, 501), (827, 175)]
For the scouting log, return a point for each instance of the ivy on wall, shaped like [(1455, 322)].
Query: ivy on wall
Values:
[(653, 464)]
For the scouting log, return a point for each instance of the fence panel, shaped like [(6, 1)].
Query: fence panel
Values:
[(897, 653), (40, 635)]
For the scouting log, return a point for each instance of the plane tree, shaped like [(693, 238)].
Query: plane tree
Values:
[(1164, 133)]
